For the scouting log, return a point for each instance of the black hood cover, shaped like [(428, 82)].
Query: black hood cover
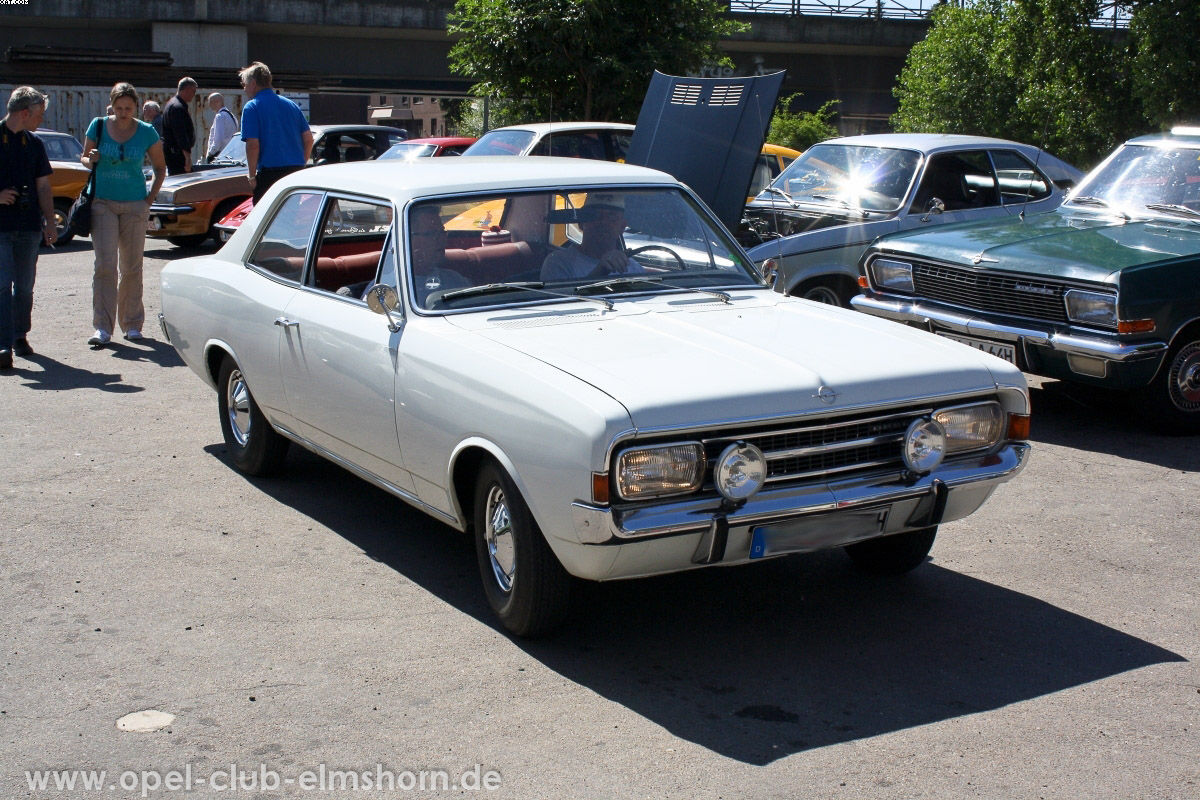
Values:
[(707, 133)]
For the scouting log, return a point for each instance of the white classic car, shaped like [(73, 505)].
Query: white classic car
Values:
[(575, 362)]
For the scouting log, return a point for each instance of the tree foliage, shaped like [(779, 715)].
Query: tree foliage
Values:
[(1166, 60), (1028, 70), (582, 59), (802, 129)]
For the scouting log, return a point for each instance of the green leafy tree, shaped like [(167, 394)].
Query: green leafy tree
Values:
[(802, 129), (1166, 61), (582, 59), (1028, 70)]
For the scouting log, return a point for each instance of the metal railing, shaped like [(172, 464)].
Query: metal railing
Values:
[(1113, 14)]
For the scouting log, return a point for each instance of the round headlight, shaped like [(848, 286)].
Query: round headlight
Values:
[(924, 445), (740, 472)]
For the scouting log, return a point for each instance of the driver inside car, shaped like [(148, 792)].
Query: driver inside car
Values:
[(602, 250)]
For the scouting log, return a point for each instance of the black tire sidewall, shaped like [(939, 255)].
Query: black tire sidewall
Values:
[(256, 457)]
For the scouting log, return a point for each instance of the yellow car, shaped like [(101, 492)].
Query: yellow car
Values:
[(69, 176), (772, 160)]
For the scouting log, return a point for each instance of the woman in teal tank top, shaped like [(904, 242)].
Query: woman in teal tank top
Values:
[(116, 146)]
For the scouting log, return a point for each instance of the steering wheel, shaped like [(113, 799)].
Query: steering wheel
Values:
[(669, 251)]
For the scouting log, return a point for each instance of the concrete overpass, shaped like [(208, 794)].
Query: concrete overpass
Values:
[(375, 47)]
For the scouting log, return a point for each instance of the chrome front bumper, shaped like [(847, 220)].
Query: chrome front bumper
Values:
[(811, 517), (162, 209), (931, 317)]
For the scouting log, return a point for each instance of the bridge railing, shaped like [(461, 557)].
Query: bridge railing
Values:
[(1113, 14)]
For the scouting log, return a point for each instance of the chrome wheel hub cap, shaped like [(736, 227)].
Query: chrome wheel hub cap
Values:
[(1185, 379), (237, 400), (498, 536)]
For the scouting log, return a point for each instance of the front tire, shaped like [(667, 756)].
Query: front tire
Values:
[(254, 446), (190, 241), (62, 210), (895, 554), (828, 291), (1173, 396), (525, 585)]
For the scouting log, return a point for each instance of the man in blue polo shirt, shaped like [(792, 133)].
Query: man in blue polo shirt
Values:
[(278, 140)]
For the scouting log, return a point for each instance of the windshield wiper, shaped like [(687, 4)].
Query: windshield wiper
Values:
[(783, 194), (627, 279), (843, 203), (1088, 200), (527, 286), (1174, 208)]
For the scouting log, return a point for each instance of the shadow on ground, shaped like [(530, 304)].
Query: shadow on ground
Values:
[(1105, 421), (759, 662), (56, 376)]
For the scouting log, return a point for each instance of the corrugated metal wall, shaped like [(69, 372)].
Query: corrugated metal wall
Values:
[(72, 108)]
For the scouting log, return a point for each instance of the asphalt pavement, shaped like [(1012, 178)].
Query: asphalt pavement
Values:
[(309, 632)]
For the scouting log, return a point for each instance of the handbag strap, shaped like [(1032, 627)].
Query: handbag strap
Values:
[(90, 188)]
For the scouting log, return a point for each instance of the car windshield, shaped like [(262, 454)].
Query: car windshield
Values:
[(406, 151), (501, 143), (232, 153), (580, 244), (1144, 180), (61, 147), (868, 178)]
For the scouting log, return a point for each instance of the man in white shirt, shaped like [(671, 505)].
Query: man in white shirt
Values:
[(223, 128), (602, 250)]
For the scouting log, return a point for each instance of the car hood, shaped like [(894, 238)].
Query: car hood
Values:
[(1062, 244), (681, 361), (179, 181), (820, 231)]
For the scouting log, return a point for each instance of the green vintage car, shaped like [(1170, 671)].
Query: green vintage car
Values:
[(1105, 290)]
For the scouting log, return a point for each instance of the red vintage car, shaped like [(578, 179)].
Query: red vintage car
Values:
[(407, 150)]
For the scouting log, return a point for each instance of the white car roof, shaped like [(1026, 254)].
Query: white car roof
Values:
[(401, 181), (926, 142), (542, 128)]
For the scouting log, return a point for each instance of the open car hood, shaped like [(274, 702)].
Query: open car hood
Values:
[(707, 133)]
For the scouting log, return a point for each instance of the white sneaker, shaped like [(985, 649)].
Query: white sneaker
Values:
[(100, 338), (133, 334)]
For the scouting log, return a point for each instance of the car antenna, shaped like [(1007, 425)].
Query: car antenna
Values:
[(1036, 160)]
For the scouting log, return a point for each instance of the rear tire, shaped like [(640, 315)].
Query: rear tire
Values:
[(254, 446), (895, 554), (526, 586)]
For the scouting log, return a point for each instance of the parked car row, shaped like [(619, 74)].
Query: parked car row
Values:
[(1105, 290)]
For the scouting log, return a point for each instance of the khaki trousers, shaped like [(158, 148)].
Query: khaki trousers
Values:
[(119, 240)]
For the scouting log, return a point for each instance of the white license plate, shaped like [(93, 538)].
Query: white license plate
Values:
[(996, 349), (154, 224)]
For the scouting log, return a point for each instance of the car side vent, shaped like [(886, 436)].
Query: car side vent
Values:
[(685, 94), (726, 95)]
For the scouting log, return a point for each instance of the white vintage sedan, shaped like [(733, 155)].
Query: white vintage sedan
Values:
[(573, 361)]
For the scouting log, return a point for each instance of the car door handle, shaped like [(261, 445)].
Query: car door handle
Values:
[(284, 322)]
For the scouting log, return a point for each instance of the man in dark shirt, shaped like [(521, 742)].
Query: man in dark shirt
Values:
[(26, 217), (179, 135)]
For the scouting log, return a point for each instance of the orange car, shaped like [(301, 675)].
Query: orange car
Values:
[(188, 207), (69, 175)]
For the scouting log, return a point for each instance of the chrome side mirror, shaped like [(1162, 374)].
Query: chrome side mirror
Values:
[(936, 206), (770, 272), (382, 299)]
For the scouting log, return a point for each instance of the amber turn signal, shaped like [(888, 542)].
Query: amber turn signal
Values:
[(1018, 426), (1135, 326), (600, 487), (863, 283)]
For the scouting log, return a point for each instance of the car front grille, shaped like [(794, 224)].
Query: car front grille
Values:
[(1001, 294), (825, 447)]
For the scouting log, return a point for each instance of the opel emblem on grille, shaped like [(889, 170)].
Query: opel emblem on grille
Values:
[(826, 395), (980, 257), (1031, 289)]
